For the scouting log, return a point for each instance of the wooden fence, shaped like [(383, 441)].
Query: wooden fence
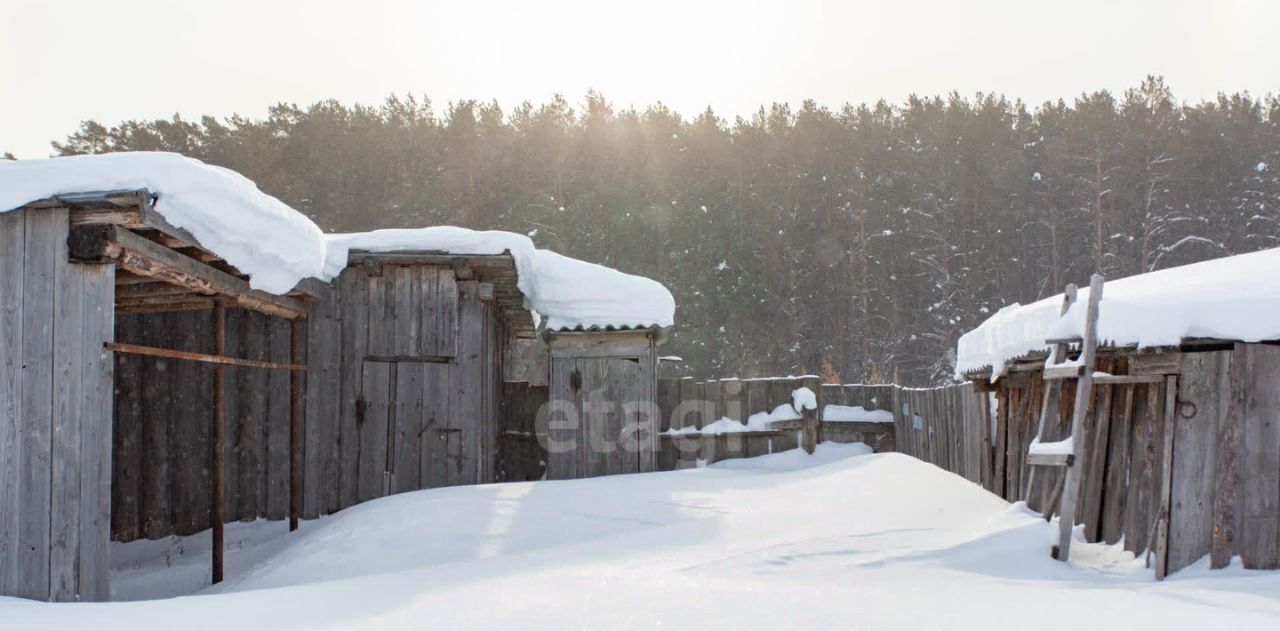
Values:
[(944, 426), (948, 426)]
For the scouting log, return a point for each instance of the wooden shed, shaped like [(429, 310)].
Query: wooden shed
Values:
[(147, 388), (604, 415), (1180, 456), (72, 269)]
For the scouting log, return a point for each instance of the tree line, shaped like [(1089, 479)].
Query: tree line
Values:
[(857, 242)]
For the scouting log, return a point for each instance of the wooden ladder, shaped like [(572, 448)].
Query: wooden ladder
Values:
[(1057, 369)]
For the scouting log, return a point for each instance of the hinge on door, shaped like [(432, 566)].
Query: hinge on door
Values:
[(361, 408)]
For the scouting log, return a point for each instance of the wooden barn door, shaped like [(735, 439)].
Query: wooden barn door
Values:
[(609, 424), (406, 436)]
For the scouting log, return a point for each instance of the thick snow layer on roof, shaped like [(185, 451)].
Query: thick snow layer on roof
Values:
[(260, 235), (277, 246), (1232, 298), (567, 292)]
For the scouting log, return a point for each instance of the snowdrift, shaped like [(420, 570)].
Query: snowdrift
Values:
[(834, 540)]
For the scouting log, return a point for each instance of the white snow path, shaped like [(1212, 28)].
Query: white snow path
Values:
[(784, 541)]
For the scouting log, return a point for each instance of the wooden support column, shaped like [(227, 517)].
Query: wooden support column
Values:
[(1166, 478), (217, 503), (811, 429), (295, 424)]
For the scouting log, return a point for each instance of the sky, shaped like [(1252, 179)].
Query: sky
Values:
[(64, 61)]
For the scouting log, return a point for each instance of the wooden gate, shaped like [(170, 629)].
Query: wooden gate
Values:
[(408, 438), (607, 400), (602, 416)]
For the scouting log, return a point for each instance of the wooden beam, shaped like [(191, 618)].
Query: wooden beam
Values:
[(143, 257), (124, 277), (217, 358), (1127, 379), (149, 289), (126, 217), (193, 304), (159, 301)]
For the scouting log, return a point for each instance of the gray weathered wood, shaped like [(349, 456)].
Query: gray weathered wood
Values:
[(372, 420), (353, 308), (408, 428), (466, 391), (1099, 433), (45, 231), (12, 256), (1227, 463), (1258, 535), (1166, 478), (68, 356), (1204, 385), (93, 563), (433, 455)]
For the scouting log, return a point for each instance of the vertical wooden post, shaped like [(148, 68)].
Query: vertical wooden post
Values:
[(295, 424), (217, 500), (812, 427), (1166, 477)]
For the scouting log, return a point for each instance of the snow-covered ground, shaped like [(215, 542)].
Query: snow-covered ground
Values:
[(840, 539)]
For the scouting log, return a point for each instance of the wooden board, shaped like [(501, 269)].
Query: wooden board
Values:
[(466, 391), (408, 427), (45, 232), (353, 309), (276, 426), (1205, 385), (1258, 531), (376, 406), (68, 355), (93, 563), (12, 256), (1118, 457)]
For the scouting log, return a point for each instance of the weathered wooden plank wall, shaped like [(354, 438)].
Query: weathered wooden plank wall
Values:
[(54, 422), (402, 392), (161, 480), (1224, 467)]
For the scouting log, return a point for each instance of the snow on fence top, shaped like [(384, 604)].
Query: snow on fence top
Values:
[(569, 293), (1232, 298), (277, 247), (260, 235)]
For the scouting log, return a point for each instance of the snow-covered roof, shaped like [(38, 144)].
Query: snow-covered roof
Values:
[(263, 237), (1233, 298), (277, 247), (570, 294)]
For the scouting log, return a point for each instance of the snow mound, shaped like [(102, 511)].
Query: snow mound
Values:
[(804, 399), (260, 235), (1231, 298), (839, 539), (569, 293)]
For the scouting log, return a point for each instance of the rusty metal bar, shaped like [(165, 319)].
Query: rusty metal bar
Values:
[(216, 358), (217, 499), (295, 425)]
